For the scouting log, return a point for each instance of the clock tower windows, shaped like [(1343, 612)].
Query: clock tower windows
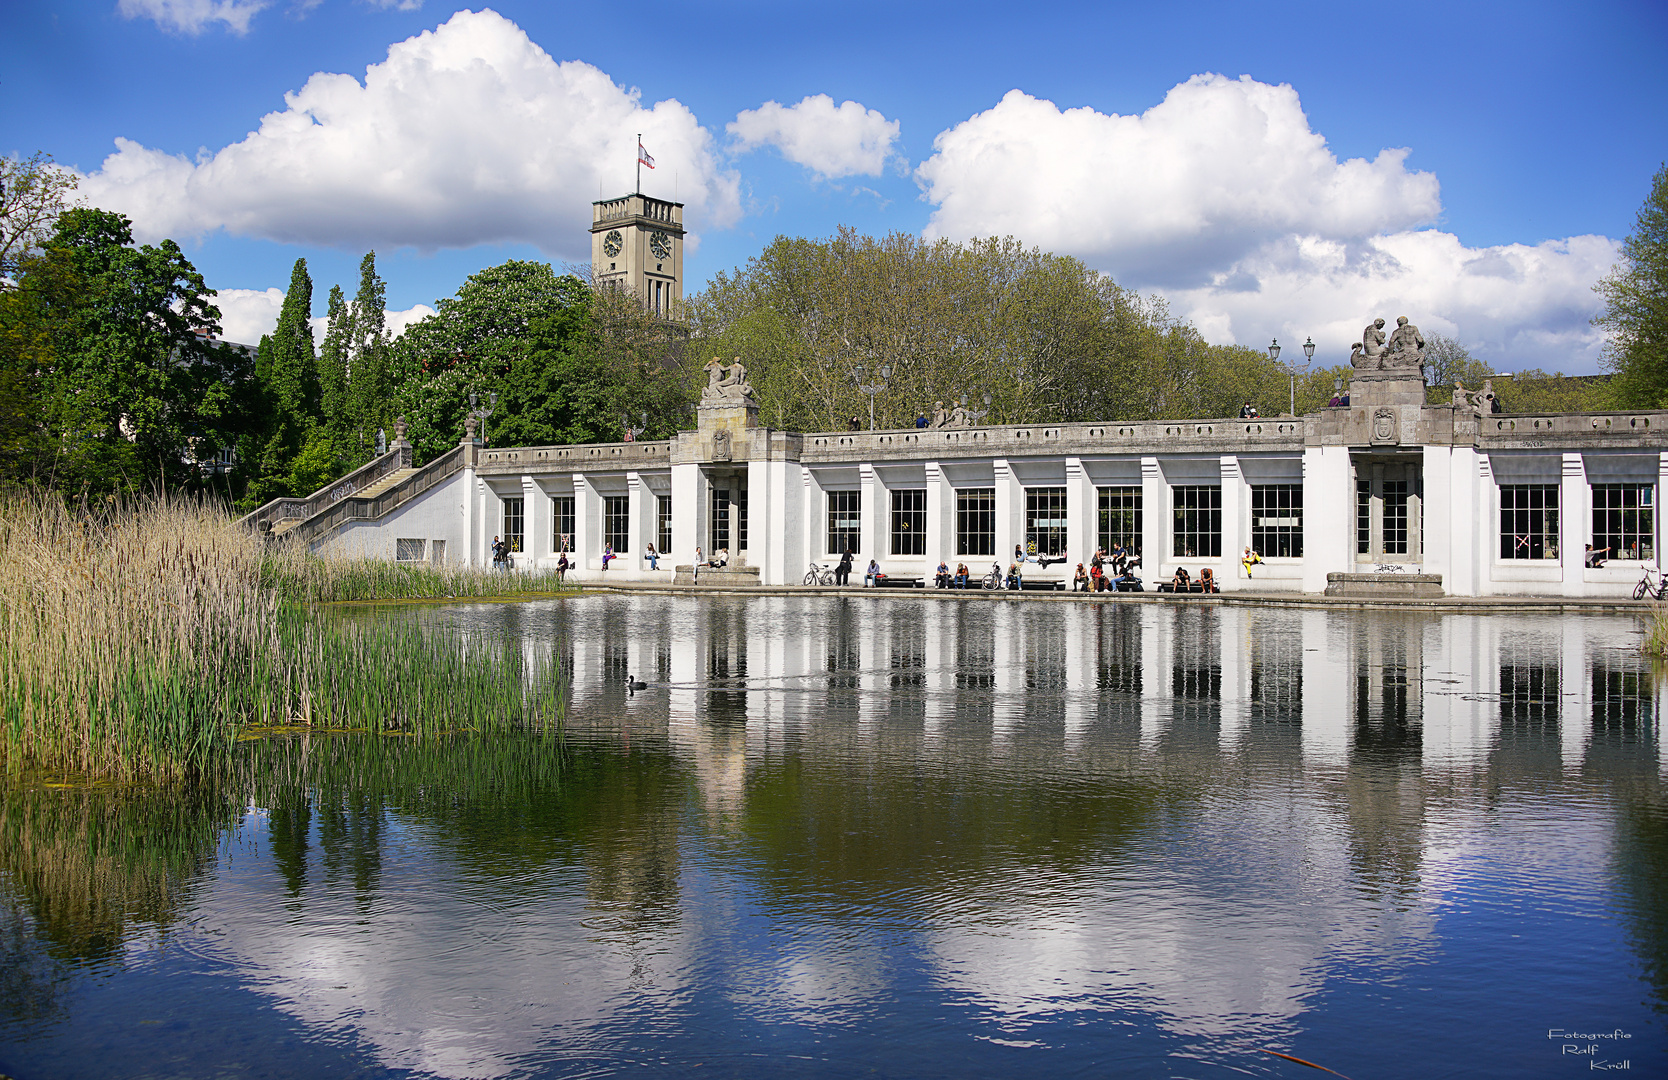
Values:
[(637, 244)]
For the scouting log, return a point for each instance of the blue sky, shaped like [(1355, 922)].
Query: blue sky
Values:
[(1273, 199)]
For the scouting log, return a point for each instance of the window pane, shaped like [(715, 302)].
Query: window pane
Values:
[(1277, 521), (1045, 521), (845, 520), (1196, 530), (561, 534), (663, 523), (1120, 518), (1363, 517), (1528, 521), (718, 535), (1624, 521), (976, 521), (514, 523), (909, 522), (616, 518)]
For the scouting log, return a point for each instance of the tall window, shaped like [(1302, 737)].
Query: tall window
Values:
[(845, 520), (718, 536), (1363, 517), (741, 517), (909, 521), (663, 523), (616, 522), (1624, 520), (1045, 520), (1277, 520), (1528, 521), (1120, 518), (515, 522), (1196, 532), (1395, 517), (561, 532), (975, 521)]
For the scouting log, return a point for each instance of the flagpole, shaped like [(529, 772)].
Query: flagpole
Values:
[(639, 163)]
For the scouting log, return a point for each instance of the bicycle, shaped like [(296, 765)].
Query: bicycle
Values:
[(819, 575), (1657, 590), (992, 580)]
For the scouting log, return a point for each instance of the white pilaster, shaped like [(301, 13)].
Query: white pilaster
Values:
[(941, 520), (1010, 511), (534, 524), (687, 513), (1328, 516), (639, 525), (1575, 515), (1155, 520), (871, 530), (1082, 506), (1236, 518), (587, 522)]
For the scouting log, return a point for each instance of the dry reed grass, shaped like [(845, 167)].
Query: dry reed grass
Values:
[(297, 574), (139, 641)]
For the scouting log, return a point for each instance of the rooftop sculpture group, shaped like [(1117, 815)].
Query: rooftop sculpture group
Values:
[(957, 417), (727, 384), (1405, 351)]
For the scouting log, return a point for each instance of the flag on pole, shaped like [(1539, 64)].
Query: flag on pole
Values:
[(643, 157)]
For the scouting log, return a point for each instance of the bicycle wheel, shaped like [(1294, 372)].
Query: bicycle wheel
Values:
[(1640, 589), (827, 578), (811, 578)]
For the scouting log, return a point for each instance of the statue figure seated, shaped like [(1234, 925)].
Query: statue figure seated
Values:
[(1406, 348), (1369, 351)]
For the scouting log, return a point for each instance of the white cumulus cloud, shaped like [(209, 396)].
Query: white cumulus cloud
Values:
[(831, 140), (194, 16), (1223, 198), (466, 134), (248, 314)]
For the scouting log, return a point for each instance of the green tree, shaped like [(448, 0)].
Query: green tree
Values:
[(33, 192), (286, 372), (112, 345), (470, 344), (1047, 337), (370, 378), (1635, 318), (334, 405)]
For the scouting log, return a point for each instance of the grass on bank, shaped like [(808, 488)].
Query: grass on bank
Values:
[(296, 574), (140, 641)]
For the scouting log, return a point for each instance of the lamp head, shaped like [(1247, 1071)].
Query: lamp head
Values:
[(1309, 349), (885, 372), (473, 401), (1274, 350)]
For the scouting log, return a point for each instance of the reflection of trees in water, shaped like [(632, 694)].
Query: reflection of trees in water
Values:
[(1641, 869), (87, 868)]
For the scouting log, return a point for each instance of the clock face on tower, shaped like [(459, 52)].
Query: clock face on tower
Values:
[(660, 243), (612, 244)]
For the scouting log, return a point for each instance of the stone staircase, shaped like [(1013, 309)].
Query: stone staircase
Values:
[(370, 491)]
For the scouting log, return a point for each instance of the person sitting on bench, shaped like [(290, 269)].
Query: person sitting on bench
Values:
[(1080, 580), (1180, 582), (941, 580), (961, 576), (1207, 580)]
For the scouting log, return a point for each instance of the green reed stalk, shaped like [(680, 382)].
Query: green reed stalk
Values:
[(143, 641)]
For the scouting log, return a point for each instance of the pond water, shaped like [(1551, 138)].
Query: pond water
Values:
[(896, 837)]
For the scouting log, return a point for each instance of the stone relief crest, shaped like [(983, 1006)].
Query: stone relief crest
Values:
[(721, 445), (1384, 425)]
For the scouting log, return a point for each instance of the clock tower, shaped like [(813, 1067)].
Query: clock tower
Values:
[(637, 244)]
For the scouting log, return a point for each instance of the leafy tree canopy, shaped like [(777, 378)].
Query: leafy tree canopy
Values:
[(127, 385), (1635, 317), (1044, 335)]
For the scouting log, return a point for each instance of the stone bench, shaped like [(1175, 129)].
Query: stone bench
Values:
[(729, 577)]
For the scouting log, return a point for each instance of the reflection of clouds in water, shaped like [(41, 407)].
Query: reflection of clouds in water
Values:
[(451, 971), (1208, 935)]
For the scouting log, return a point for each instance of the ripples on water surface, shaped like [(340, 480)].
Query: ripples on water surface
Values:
[(896, 837)]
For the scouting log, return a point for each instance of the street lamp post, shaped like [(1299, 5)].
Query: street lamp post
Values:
[(975, 415), (481, 414), (872, 388)]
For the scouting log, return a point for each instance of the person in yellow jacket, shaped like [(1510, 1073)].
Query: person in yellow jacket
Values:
[(1248, 560)]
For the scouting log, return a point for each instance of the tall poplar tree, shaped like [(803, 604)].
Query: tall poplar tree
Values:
[(334, 402), (286, 372), (370, 385)]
